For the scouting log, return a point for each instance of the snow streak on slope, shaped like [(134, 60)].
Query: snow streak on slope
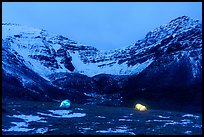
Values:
[(27, 42), (92, 69)]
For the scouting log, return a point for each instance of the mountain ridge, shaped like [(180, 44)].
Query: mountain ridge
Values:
[(168, 59), (58, 52)]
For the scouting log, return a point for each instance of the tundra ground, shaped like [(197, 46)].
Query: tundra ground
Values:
[(34, 117)]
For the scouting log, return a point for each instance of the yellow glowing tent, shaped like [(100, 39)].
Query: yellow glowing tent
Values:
[(140, 107)]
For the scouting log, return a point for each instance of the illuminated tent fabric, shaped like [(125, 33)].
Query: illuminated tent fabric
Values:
[(140, 107), (65, 104)]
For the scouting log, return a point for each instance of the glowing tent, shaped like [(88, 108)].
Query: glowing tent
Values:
[(65, 104), (140, 107)]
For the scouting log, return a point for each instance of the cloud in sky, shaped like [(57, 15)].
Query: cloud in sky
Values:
[(104, 25)]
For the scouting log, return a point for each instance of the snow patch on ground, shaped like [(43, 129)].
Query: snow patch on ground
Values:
[(163, 116), (43, 114), (190, 115), (60, 112), (188, 132), (28, 118), (19, 127), (186, 121), (123, 127), (100, 117), (124, 119), (75, 115), (41, 130), (84, 129), (117, 130), (22, 126), (197, 126), (95, 123), (182, 123), (79, 109), (65, 114), (159, 120)]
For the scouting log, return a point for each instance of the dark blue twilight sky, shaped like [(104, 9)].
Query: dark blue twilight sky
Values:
[(104, 25)]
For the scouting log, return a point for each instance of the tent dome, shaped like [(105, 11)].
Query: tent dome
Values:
[(140, 107), (65, 104)]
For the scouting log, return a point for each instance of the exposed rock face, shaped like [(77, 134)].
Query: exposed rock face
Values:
[(174, 78), (108, 84), (172, 86), (165, 67), (76, 81), (20, 82)]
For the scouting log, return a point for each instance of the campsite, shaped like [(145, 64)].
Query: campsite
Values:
[(48, 118)]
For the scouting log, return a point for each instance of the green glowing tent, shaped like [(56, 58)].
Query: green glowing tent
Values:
[(65, 104)]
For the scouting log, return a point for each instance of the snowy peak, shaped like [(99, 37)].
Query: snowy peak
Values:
[(174, 28), (184, 21), (17, 30)]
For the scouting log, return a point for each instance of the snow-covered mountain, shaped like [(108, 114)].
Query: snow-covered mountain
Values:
[(48, 53), (170, 53)]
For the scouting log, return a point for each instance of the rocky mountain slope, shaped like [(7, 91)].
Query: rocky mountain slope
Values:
[(163, 68)]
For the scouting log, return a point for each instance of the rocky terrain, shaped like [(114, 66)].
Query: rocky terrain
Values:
[(47, 118)]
